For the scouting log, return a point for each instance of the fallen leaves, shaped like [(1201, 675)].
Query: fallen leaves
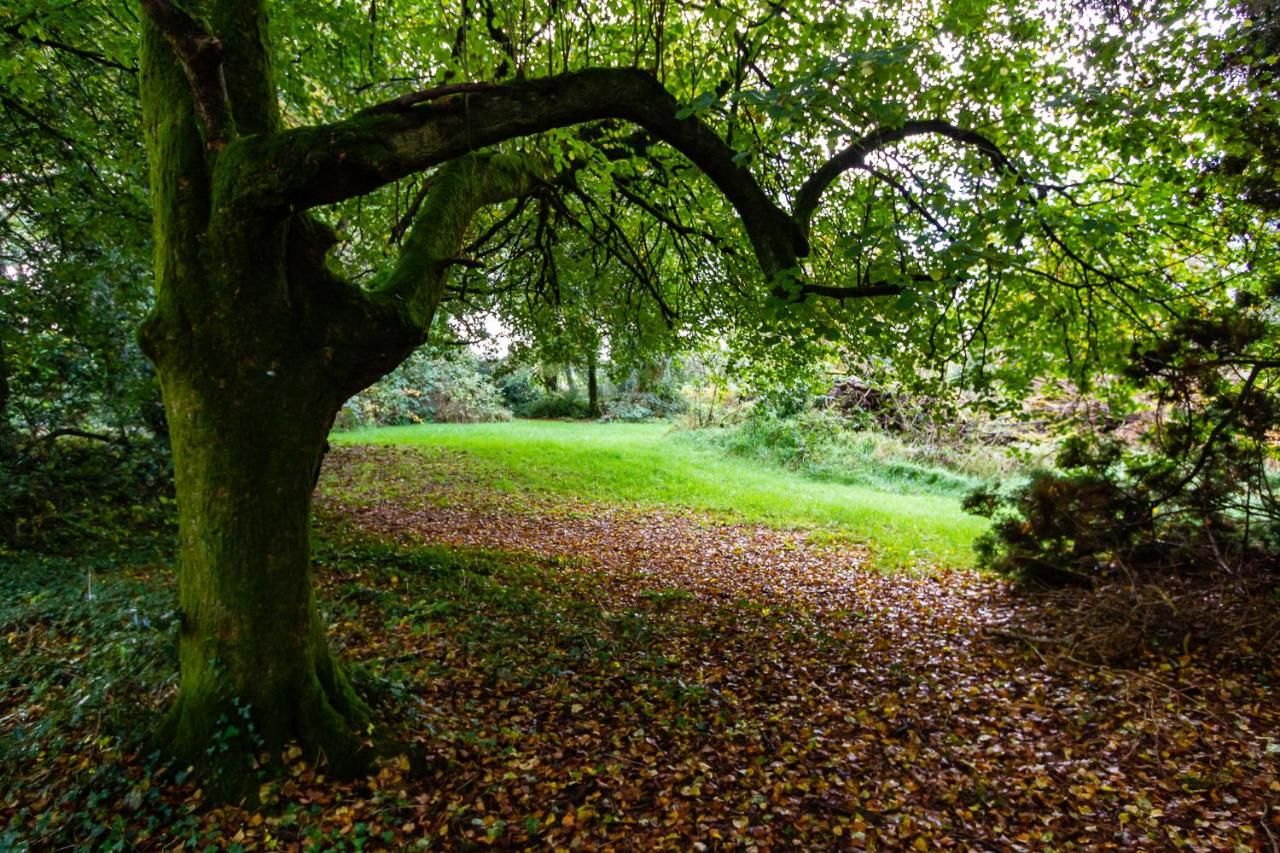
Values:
[(747, 687)]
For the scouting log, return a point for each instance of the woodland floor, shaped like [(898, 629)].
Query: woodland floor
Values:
[(575, 675)]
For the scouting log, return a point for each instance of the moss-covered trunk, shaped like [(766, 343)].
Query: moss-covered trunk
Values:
[(256, 669), (243, 334)]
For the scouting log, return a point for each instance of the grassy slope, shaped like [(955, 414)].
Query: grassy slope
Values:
[(648, 465)]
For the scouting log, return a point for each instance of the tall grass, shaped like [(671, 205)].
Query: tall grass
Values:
[(822, 446), (650, 465)]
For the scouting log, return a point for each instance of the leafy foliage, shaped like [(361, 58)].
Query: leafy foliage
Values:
[(74, 238), (1192, 494), (71, 495), (443, 386)]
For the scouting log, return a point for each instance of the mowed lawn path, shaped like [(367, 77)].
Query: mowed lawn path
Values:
[(578, 671)]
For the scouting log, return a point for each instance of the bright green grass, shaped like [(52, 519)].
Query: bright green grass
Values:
[(649, 464)]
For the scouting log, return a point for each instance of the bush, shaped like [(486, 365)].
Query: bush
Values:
[(563, 404), (1063, 527), (1190, 494), (519, 388), (71, 494), (430, 386), (636, 406)]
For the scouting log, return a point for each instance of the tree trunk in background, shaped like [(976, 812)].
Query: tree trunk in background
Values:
[(593, 385), (6, 433), (4, 388)]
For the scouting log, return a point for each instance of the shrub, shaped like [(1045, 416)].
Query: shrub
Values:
[(563, 404), (444, 387), (1191, 493), (638, 406), (519, 388), (70, 494)]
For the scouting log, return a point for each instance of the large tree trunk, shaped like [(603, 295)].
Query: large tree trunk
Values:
[(243, 335), (256, 669), (257, 344)]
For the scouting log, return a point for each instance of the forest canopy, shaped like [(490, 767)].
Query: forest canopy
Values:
[(1128, 139)]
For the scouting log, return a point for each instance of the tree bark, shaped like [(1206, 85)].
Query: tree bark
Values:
[(593, 385), (243, 334), (6, 433), (4, 386), (256, 669), (256, 345)]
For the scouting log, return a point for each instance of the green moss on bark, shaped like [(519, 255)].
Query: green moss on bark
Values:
[(252, 653), (249, 399), (460, 189)]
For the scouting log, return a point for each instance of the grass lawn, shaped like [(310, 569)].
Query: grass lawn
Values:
[(650, 465)]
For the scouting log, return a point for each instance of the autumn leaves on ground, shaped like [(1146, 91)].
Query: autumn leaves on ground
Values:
[(569, 672)]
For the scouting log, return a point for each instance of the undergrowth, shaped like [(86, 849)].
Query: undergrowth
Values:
[(75, 496), (825, 446)]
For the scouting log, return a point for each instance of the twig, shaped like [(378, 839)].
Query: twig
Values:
[(79, 433), (1275, 846), (1008, 634)]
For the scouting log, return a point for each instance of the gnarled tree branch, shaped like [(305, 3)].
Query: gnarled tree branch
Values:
[(855, 155), (438, 234), (326, 164), (200, 54)]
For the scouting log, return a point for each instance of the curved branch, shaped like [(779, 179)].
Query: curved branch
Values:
[(855, 155), (321, 165), (863, 291), (432, 245), (838, 292), (72, 432)]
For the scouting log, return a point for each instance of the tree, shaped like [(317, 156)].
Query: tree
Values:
[(74, 247), (258, 338), (258, 343)]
